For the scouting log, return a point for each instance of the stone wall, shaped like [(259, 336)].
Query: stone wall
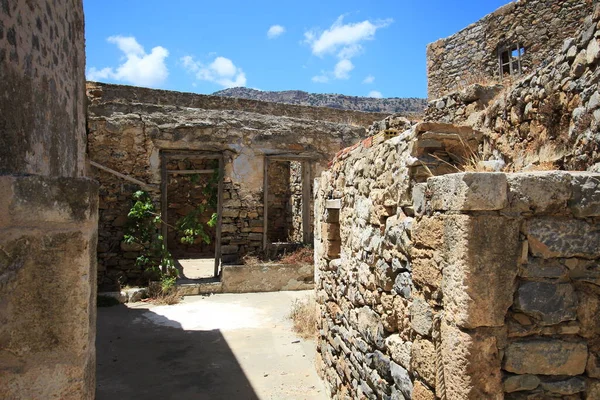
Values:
[(551, 116), (48, 209), (471, 55), (463, 286), (120, 93), (129, 136)]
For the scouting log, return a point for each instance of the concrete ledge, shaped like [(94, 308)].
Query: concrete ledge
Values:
[(267, 277)]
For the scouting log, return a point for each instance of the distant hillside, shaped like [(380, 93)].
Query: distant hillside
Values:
[(369, 104)]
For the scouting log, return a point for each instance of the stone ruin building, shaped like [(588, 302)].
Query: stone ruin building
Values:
[(264, 158), (452, 260)]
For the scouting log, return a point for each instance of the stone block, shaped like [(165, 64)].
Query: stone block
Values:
[(471, 364), (267, 278), (419, 199), (564, 387), (428, 232), (593, 365), (549, 303), (468, 191), (370, 327), (229, 249), (546, 357), (519, 383), (589, 310), (421, 316), (481, 255), (585, 201), (538, 192), (402, 379), (399, 349), (562, 237), (423, 361)]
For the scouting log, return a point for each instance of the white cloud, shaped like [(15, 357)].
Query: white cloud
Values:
[(369, 79), (138, 68), (320, 78), (343, 39), (221, 71), (342, 69), (274, 31), (375, 94)]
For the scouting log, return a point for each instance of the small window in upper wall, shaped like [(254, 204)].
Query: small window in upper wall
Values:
[(509, 59)]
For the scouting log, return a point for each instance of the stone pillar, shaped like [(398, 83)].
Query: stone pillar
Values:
[(48, 208)]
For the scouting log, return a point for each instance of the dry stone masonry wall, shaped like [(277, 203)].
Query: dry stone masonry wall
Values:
[(471, 55), (459, 286), (550, 116)]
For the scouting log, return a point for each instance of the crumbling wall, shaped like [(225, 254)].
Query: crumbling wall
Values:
[(551, 116), (120, 93), (464, 286), (48, 209), (471, 55), (128, 136)]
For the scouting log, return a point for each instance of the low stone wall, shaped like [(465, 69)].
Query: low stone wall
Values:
[(466, 286), (270, 277), (550, 116), (110, 92), (471, 55)]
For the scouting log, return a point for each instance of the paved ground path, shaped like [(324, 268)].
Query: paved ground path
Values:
[(226, 346)]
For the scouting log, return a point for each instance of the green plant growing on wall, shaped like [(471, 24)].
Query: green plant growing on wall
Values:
[(143, 228)]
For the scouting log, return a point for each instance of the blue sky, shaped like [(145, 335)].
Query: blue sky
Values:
[(357, 48)]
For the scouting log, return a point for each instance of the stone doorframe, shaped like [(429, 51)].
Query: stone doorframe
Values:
[(165, 157), (307, 165)]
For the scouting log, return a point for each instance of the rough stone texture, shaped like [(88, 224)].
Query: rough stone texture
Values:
[(539, 192), (551, 303), (42, 94), (267, 278), (469, 191), (546, 357), (470, 56), (480, 269), (471, 365), (518, 383), (550, 238), (48, 210)]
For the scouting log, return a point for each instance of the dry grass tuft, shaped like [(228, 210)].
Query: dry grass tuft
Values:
[(304, 318), (163, 294), (304, 255), (542, 166)]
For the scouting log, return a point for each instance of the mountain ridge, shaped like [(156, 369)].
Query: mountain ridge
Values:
[(298, 97)]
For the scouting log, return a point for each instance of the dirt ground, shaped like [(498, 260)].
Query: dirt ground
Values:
[(226, 346)]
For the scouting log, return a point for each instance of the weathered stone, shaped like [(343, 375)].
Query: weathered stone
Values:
[(421, 392), (546, 357), (540, 268), (542, 192), (370, 327), (403, 284), (402, 379), (468, 191), (399, 349), (421, 316), (517, 383), (593, 390), (593, 51), (480, 271), (423, 361), (556, 237), (550, 303), (471, 364), (382, 364), (593, 365), (586, 195), (564, 387), (588, 311), (267, 277)]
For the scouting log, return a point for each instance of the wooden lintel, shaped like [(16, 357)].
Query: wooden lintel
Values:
[(190, 171), (128, 178)]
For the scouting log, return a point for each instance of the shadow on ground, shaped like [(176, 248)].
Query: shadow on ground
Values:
[(137, 359)]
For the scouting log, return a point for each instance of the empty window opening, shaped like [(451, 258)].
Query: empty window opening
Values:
[(287, 204), (192, 189), (510, 60)]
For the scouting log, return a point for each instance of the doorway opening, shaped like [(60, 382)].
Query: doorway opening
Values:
[(287, 204), (191, 204)]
